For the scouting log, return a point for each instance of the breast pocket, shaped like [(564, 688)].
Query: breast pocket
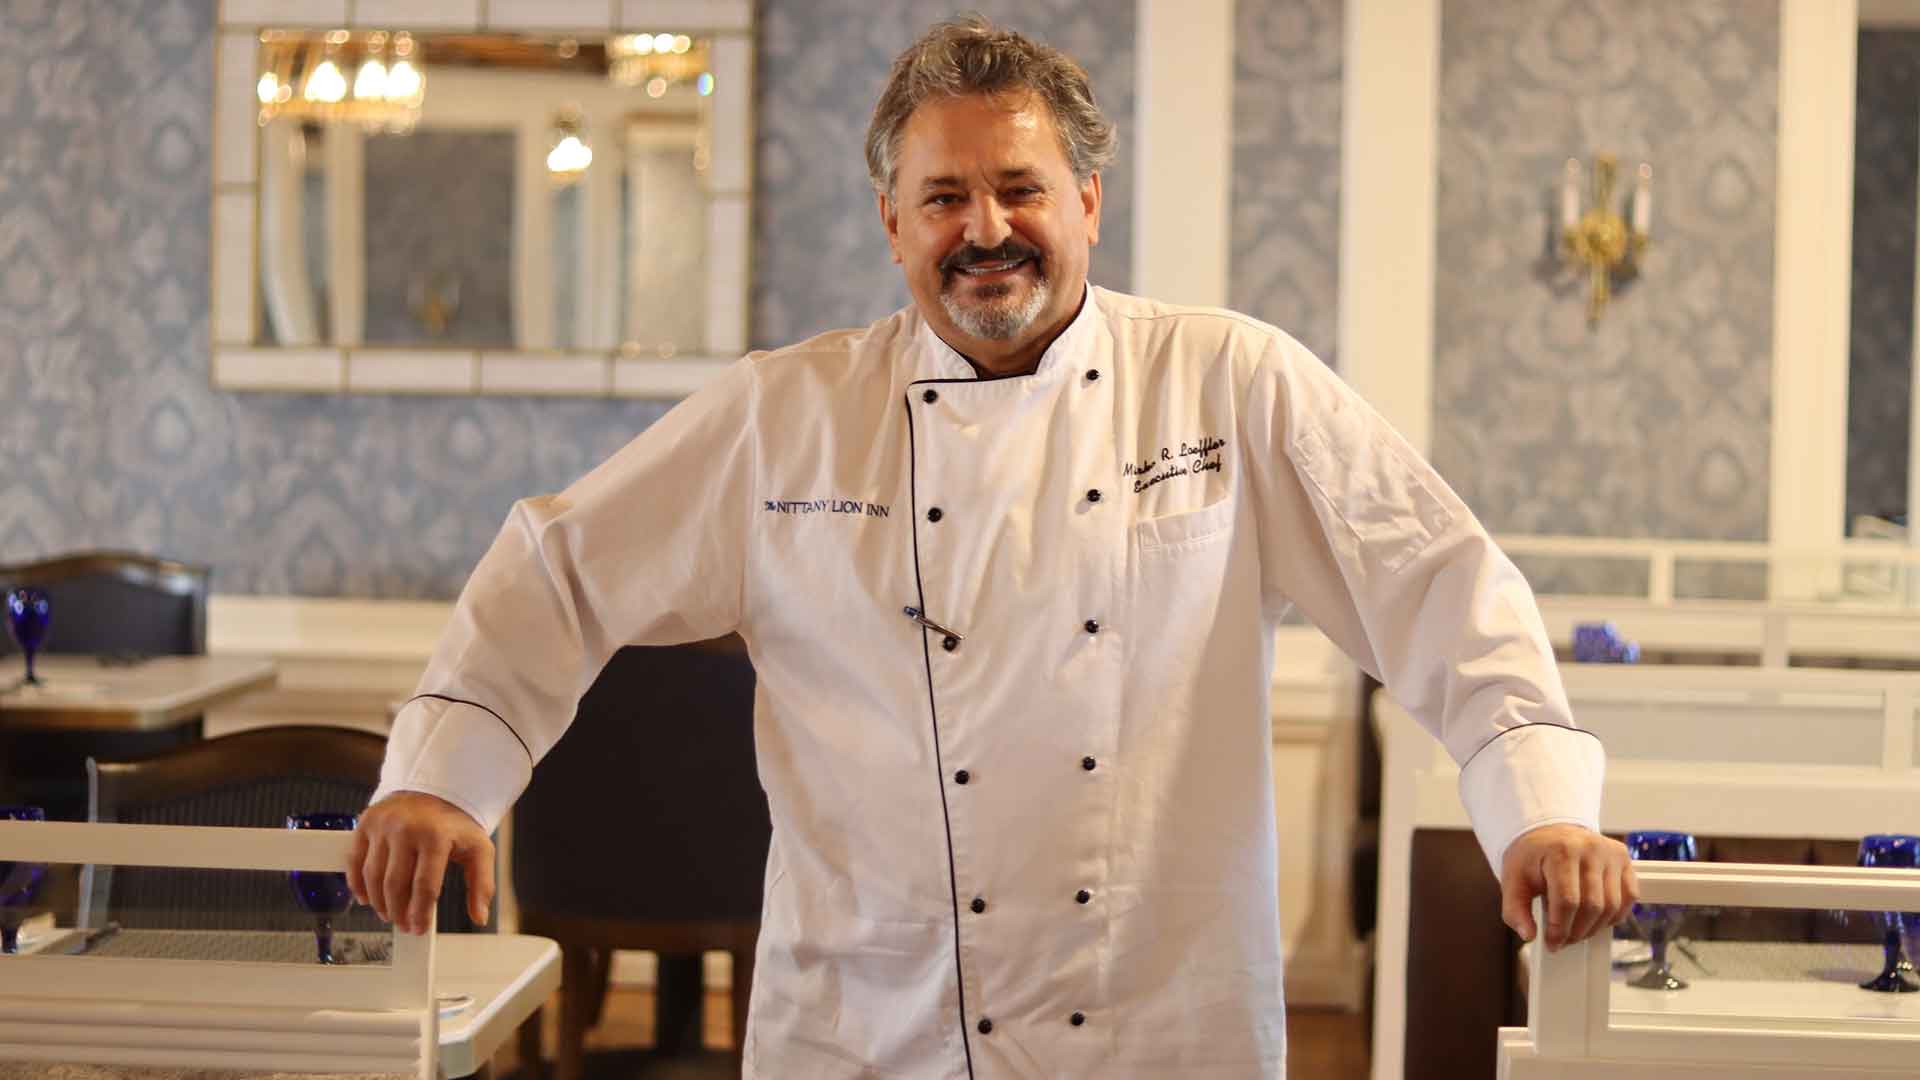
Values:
[(1186, 530)]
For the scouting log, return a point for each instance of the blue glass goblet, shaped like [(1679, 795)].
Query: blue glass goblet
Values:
[(1898, 851), (28, 613), (1659, 922), (322, 892), (19, 881)]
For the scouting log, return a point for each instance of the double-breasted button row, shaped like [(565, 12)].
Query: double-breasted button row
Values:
[(985, 1026)]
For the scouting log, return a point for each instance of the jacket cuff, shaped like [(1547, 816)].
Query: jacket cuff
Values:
[(461, 753), (1529, 776)]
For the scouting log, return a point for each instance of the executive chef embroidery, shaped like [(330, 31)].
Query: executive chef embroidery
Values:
[(1186, 459), (826, 506)]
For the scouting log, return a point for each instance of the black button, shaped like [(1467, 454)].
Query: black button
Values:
[(1083, 896), (949, 643), (1077, 1019), (930, 396), (1093, 495), (1087, 763), (935, 514), (1093, 626), (978, 905), (1093, 375), (986, 1026), (961, 777)]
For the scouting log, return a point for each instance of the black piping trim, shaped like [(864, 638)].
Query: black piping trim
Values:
[(489, 712), (1522, 727), (939, 767)]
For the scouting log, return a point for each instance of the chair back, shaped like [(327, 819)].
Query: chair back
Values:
[(650, 809), (254, 778), (119, 602)]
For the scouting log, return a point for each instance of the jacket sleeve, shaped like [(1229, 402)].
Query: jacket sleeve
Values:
[(647, 549), (1367, 540)]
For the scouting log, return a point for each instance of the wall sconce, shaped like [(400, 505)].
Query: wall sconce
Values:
[(1600, 241)]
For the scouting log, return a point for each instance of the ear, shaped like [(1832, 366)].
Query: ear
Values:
[(890, 220), (1090, 202)]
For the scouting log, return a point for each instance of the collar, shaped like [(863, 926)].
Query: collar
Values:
[(935, 359)]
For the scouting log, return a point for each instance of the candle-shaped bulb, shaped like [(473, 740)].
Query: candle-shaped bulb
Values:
[(1570, 194), (1643, 201)]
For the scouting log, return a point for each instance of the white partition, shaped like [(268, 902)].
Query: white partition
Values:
[(1580, 1025), (1702, 749)]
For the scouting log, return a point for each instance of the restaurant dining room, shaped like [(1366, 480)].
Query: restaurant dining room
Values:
[(1025, 539)]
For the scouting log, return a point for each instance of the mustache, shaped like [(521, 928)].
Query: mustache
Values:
[(970, 255)]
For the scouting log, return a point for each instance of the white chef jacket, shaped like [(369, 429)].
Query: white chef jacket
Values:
[(1036, 838)]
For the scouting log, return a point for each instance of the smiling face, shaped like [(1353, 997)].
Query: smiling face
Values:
[(990, 226)]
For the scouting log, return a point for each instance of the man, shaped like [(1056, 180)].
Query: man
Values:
[(1009, 564)]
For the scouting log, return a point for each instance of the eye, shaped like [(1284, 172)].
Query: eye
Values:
[(1026, 191), (945, 198)]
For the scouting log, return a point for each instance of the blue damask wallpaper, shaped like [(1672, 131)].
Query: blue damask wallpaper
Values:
[(1285, 259), (1886, 174), (113, 436), (1655, 421)]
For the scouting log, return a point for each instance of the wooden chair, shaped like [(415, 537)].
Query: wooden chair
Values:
[(646, 828), (252, 778)]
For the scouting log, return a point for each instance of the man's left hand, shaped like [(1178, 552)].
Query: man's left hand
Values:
[(1586, 878)]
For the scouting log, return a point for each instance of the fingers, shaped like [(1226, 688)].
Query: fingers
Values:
[(1516, 904), (1562, 874), (1629, 891), (1594, 907), (374, 874), (428, 871), (356, 872), (398, 882), (477, 861)]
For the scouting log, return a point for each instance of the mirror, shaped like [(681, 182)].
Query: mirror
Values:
[(438, 207)]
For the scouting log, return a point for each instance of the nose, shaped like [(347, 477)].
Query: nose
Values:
[(987, 224)]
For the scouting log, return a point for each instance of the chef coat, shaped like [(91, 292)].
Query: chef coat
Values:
[(1014, 641)]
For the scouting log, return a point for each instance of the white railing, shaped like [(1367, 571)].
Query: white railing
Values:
[(109, 1010), (1863, 573), (1573, 1015)]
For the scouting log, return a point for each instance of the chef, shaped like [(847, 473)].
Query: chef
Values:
[(1009, 564)]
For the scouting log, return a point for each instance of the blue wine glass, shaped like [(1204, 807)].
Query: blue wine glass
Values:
[(322, 892), (28, 613), (19, 881), (1898, 851), (1660, 922)]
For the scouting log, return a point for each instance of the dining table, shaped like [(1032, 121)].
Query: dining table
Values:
[(127, 694)]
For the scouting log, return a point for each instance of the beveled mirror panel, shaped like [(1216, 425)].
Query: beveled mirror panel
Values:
[(429, 206)]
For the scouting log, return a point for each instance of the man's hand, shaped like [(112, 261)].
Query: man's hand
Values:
[(1587, 879), (400, 854)]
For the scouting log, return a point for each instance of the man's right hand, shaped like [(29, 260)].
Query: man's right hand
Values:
[(400, 854)]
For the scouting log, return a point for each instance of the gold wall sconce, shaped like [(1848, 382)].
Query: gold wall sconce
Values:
[(1598, 240)]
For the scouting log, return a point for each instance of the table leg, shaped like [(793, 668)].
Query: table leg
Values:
[(577, 992), (533, 1065)]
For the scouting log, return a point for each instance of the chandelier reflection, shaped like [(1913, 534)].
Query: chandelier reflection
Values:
[(1600, 241), (376, 79), (658, 62)]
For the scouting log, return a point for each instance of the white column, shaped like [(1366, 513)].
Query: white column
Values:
[(1388, 186), (1813, 254), (1183, 150), (532, 240), (346, 152), (287, 288)]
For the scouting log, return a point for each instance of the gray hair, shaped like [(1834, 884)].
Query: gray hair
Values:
[(970, 55)]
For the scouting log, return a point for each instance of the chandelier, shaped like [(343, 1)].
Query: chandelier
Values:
[(658, 62), (376, 79)]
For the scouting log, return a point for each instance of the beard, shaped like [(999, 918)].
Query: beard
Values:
[(992, 312)]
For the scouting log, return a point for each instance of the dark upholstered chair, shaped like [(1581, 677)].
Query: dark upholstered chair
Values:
[(1462, 961), (252, 778), (118, 602), (121, 606), (646, 828)]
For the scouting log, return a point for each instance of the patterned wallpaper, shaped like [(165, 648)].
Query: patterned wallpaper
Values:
[(114, 437), (1285, 259), (1654, 422), (435, 201), (1886, 152), (822, 65)]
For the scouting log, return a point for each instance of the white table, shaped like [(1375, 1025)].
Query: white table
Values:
[(81, 693), (510, 976)]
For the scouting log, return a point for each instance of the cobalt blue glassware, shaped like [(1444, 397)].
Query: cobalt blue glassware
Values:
[(1601, 643), (1897, 851), (322, 892), (19, 881), (28, 613), (1659, 921)]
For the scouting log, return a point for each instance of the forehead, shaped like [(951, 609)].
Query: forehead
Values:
[(965, 135)]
